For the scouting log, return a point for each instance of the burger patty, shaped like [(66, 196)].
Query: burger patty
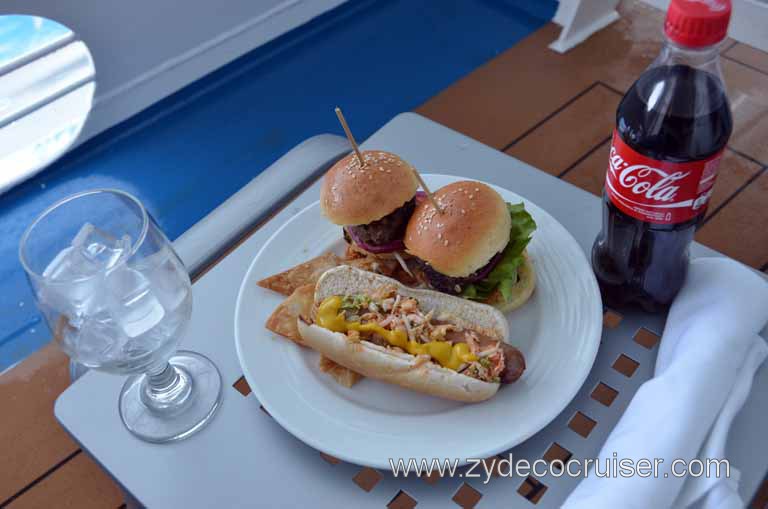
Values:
[(387, 229), (448, 284)]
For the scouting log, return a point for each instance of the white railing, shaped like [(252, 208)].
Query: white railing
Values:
[(582, 18)]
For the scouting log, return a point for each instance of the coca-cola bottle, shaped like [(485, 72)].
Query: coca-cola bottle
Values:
[(671, 129)]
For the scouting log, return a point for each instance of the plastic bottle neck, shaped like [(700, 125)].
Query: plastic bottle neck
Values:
[(705, 58)]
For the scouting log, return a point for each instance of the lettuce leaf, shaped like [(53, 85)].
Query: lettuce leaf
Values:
[(504, 276), (354, 303)]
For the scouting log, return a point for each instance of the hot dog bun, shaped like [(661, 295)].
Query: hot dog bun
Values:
[(400, 368)]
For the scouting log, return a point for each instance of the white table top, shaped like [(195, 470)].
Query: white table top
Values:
[(244, 459)]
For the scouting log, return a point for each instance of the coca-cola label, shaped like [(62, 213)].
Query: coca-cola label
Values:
[(658, 192)]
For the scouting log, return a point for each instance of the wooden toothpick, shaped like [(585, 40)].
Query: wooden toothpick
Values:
[(351, 138), (426, 190), (352, 141)]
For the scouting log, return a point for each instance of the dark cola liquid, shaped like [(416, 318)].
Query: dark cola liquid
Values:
[(644, 263)]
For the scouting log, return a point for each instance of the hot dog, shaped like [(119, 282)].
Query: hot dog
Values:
[(422, 340)]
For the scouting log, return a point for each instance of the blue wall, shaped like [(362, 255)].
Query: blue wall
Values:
[(185, 155)]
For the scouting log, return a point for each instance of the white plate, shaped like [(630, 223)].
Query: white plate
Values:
[(558, 331)]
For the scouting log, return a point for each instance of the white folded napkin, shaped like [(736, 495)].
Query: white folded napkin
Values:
[(708, 355)]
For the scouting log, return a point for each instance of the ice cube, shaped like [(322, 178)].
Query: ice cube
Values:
[(73, 280), (169, 278), (132, 302), (69, 285), (68, 264), (99, 248), (97, 341)]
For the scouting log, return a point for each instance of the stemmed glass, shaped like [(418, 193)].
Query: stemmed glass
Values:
[(117, 298)]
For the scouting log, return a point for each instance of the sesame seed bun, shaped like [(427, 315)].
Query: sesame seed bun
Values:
[(351, 195), (474, 225)]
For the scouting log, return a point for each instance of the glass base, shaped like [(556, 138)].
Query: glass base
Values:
[(76, 370), (191, 408)]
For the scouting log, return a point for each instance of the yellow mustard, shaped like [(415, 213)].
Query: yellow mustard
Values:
[(447, 355)]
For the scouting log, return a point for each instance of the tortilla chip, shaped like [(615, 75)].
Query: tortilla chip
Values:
[(343, 376), (381, 266), (307, 273), (351, 253), (299, 284), (283, 319)]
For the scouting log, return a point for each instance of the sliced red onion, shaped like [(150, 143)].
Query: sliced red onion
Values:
[(395, 245), (420, 196)]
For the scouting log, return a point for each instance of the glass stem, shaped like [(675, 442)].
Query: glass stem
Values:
[(166, 389)]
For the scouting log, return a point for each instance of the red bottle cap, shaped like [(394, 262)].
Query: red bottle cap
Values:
[(697, 23)]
